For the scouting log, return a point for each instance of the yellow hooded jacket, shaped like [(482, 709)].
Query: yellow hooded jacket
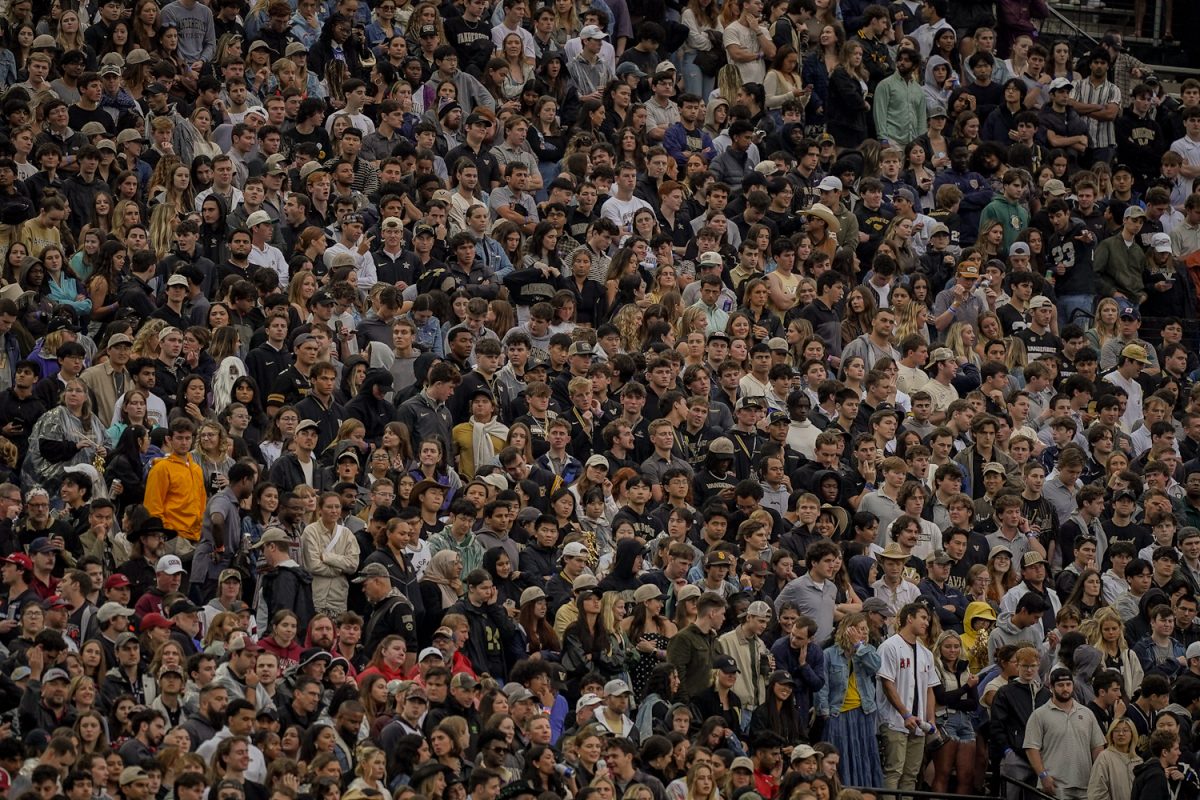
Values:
[(974, 643), (175, 494)]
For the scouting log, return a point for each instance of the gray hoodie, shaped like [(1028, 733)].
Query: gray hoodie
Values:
[(1006, 632), (935, 95)]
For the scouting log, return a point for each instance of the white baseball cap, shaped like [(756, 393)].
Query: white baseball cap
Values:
[(170, 565)]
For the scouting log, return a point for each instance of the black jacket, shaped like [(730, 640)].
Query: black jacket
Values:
[(1150, 781), (490, 626), (404, 578), (375, 413), (287, 474), (288, 586), (393, 614), (33, 714), (1011, 708)]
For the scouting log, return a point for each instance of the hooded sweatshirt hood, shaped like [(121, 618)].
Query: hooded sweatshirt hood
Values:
[(970, 638), (935, 94)]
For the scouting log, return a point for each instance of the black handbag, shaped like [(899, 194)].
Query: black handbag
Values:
[(710, 61)]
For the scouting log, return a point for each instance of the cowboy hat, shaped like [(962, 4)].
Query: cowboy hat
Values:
[(823, 212)]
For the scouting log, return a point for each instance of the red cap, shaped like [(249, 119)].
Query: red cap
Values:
[(54, 601), (116, 581), (21, 560), (151, 621), (5, 781)]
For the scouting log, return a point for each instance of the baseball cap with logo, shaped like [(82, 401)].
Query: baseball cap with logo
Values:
[(592, 32), (1135, 212), (170, 564), (968, 270), (1032, 558), (1059, 83), (710, 259), (1161, 242)]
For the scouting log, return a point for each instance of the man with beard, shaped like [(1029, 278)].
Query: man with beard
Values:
[(149, 728), (899, 103), (1062, 739), (44, 702), (210, 714), (347, 724), (238, 261)]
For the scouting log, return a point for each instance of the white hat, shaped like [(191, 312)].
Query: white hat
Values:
[(575, 550), (711, 259), (616, 687), (1059, 83), (170, 565), (177, 280), (258, 218), (1161, 242), (592, 32), (586, 701), (830, 184), (430, 651), (1040, 301)]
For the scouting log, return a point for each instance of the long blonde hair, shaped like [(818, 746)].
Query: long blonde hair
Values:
[(954, 340), (1092, 630), (908, 321), (1105, 332)]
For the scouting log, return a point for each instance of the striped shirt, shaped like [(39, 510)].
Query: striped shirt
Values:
[(1101, 134)]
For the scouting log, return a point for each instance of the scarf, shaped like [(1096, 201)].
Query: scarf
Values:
[(481, 440), (442, 573)]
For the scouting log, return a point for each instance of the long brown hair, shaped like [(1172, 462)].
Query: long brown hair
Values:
[(539, 632)]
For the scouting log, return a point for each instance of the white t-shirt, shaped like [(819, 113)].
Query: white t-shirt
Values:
[(897, 664), (621, 211)]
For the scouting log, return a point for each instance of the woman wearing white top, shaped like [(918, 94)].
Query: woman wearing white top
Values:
[(701, 19)]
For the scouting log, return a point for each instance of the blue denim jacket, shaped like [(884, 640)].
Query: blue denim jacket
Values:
[(837, 672)]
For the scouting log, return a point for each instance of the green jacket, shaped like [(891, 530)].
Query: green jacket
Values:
[(1119, 268), (1014, 217), (691, 653)]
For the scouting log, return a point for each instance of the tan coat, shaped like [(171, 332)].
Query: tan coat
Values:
[(331, 557), (751, 684)]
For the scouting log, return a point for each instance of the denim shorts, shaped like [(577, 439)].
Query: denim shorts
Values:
[(957, 725)]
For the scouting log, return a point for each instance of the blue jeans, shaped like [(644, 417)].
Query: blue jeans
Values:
[(694, 81), (1069, 303)]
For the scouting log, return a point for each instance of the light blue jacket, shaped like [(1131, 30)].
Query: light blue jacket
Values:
[(837, 678), (64, 292)]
